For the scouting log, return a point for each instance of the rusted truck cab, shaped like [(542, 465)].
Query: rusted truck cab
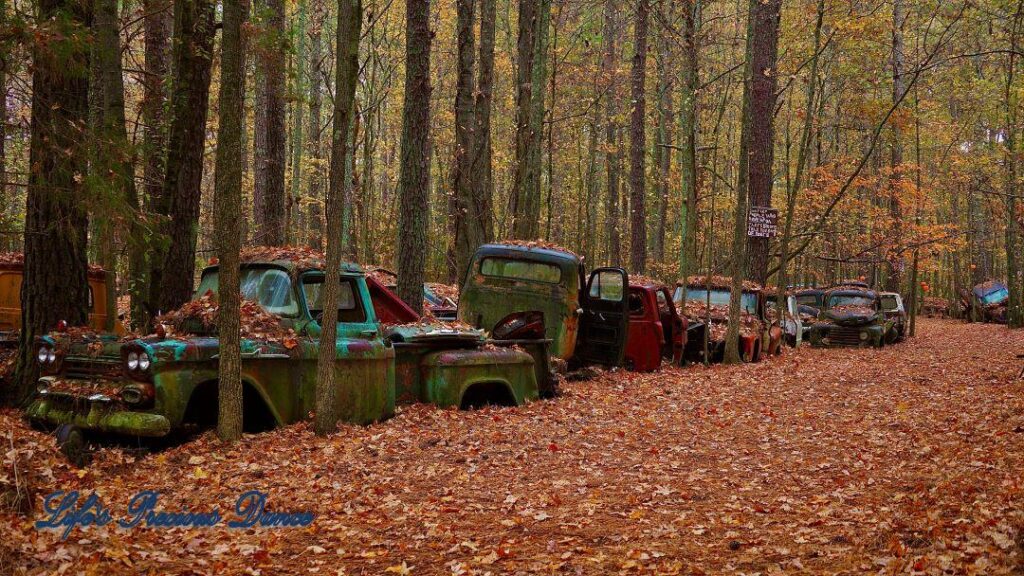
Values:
[(656, 330), (706, 306), (852, 318), (586, 319), (11, 275), (987, 302), (151, 386), (792, 321)]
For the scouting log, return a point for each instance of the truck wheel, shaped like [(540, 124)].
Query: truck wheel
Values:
[(71, 441)]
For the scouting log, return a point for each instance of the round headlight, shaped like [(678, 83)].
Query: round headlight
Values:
[(133, 361), (863, 335), (131, 395), (42, 387), (51, 356), (144, 361), (43, 354)]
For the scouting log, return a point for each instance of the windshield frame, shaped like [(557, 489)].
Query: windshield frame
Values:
[(703, 291)]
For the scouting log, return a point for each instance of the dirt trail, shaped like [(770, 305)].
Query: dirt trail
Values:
[(906, 459)]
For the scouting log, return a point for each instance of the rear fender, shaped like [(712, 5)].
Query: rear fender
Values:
[(447, 375)]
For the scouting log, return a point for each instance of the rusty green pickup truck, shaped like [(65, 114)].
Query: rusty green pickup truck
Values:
[(153, 386)]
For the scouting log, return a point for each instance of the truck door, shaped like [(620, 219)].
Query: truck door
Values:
[(605, 320)]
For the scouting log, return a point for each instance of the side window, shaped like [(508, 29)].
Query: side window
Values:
[(888, 302), (607, 285), (350, 309), (662, 302), (272, 288)]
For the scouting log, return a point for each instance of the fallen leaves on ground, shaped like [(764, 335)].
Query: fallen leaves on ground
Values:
[(901, 460)]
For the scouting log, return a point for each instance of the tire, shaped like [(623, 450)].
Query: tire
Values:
[(72, 443)]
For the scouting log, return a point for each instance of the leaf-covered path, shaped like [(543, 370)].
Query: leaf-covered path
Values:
[(894, 461)]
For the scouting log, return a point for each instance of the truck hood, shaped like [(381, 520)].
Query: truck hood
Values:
[(435, 335), (850, 315)]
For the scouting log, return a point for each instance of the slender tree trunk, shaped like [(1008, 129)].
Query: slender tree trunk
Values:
[(739, 236), (1014, 275), (609, 73), (414, 180), (227, 205), (688, 130), (467, 221), (55, 285), (803, 155), (350, 16), (5, 47), (524, 96), (662, 156), (173, 268), (315, 179), (299, 89), (529, 224), (638, 145), (114, 167), (482, 176), (896, 263), (767, 14), (270, 157), (157, 23)]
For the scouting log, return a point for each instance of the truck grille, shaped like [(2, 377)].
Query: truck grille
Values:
[(845, 336), (77, 368)]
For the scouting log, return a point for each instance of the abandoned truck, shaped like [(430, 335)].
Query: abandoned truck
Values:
[(896, 313), (587, 320), (608, 318), (987, 302), (852, 317), (149, 387), (706, 305)]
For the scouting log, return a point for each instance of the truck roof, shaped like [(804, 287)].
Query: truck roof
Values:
[(528, 250)]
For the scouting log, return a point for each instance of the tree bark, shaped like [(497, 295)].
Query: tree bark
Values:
[(467, 221), (5, 207), (1014, 276), (638, 145), (688, 133), (739, 235), (315, 178), (346, 74), (524, 74), (894, 280), (157, 23), (766, 15), (227, 206), (294, 217), (481, 168), (414, 179), (270, 214), (612, 165), (661, 155), (172, 269), (55, 285)]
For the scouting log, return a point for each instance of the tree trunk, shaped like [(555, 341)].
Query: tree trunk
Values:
[(414, 179), (638, 145), (294, 228), (766, 16), (55, 285), (481, 170), (1014, 276), (157, 23), (315, 180), (227, 206), (529, 224), (739, 235), (688, 134), (5, 207), (346, 74), (173, 269), (661, 154), (612, 164), (270, 214), (114, 168), (524, 74), (467, 221), (896, 264)]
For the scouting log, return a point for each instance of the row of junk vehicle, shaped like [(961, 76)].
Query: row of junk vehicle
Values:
[(526, 313)]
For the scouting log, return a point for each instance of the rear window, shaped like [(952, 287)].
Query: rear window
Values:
[(521, 270), (807, 300), (889, 303)]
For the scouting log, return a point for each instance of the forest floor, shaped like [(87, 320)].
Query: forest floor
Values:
[(908, 459)]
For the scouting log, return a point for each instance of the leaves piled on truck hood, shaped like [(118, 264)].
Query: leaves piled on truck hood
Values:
[(199, 318)]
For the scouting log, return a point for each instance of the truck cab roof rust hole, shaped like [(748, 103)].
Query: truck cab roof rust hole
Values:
[(487, 394)]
